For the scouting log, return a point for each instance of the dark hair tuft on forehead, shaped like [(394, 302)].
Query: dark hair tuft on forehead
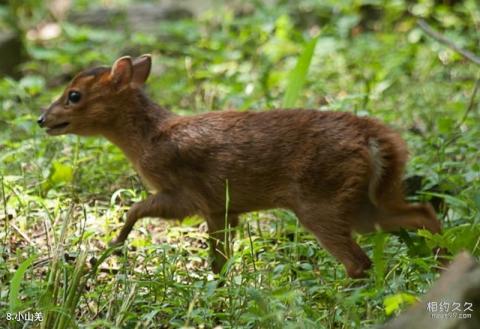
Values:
[(94, 71)]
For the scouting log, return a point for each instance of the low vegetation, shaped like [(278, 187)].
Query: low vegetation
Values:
[(63, 199)]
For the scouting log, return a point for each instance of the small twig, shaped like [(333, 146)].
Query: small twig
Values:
[(47, 237), (471, 104), (7, 219), (466, 54), (442, 39), (41, 262), (71, 258), (23, 235), (109, 270)]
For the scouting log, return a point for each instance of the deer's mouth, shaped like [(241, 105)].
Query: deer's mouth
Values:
[(57, 129)]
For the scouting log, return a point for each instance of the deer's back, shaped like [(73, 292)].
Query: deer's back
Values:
[(269, 158)]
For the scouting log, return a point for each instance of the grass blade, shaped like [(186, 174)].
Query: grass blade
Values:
[(298, 75), (124, 308), (379, 265), (13, 299), (74, 292)]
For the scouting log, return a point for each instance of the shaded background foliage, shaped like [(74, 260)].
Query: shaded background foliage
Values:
[(370, 58)]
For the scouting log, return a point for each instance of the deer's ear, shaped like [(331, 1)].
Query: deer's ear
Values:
[(122, 71), (141, 70)]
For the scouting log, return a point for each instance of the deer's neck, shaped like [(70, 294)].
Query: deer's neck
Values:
[(137, 120)]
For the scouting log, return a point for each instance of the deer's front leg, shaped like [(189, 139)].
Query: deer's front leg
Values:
[(162, 204)]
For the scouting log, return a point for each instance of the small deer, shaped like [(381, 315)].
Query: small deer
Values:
[(339, 173)]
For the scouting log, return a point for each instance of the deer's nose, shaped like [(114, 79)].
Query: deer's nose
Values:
[(41, 120)]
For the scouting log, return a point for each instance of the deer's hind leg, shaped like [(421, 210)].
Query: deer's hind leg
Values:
[(395, 217), (408, 216), (332, 228), (391, 211)]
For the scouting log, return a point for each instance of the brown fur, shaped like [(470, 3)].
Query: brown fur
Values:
[(337, 172)]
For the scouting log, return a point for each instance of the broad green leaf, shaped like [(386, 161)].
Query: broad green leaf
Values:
[(61, 173), (298, 75), (393, 303), (13, 299)]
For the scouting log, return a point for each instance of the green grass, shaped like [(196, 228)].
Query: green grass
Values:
[(61, 199)]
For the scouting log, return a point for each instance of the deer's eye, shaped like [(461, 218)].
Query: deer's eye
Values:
[(74, 96)]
